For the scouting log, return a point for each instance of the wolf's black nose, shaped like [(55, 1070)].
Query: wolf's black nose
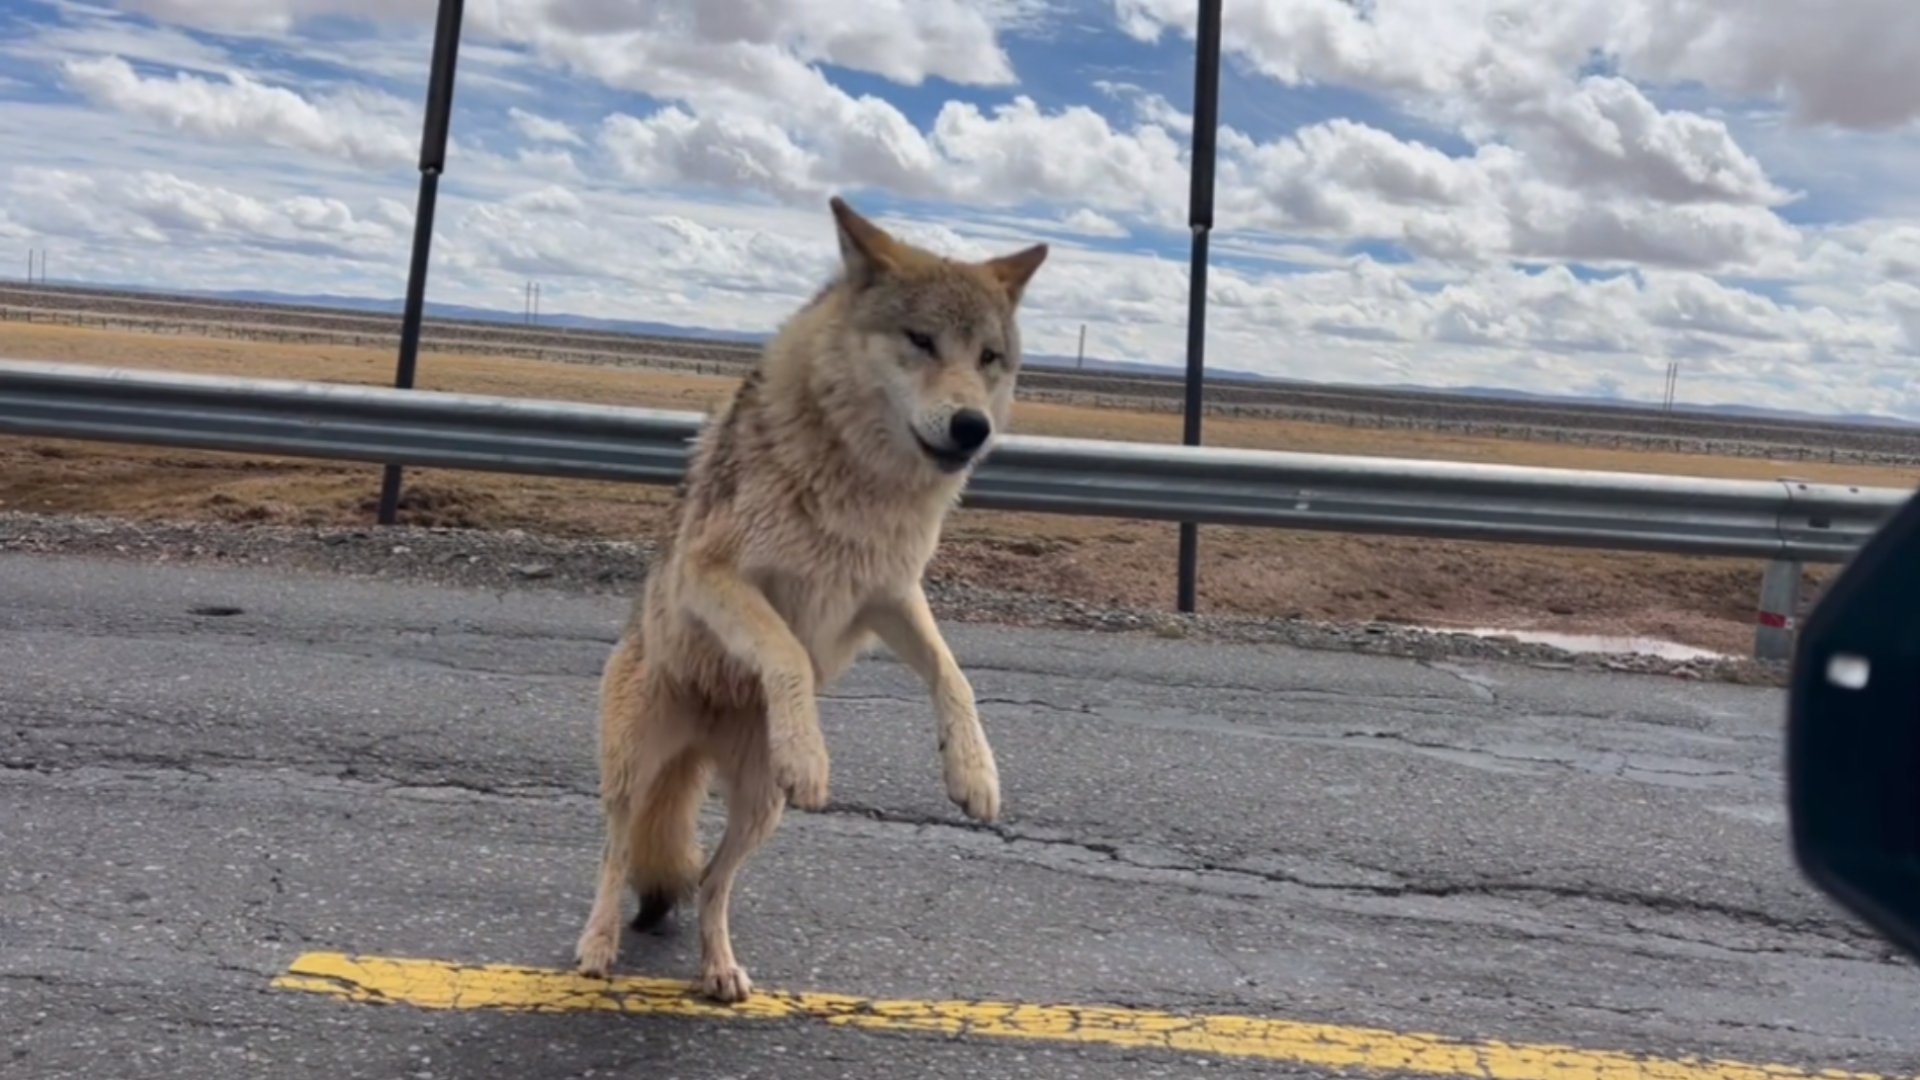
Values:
[(969, 428)]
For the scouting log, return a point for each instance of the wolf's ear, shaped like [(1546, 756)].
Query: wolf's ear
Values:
[(865, 248), (1015, 270)]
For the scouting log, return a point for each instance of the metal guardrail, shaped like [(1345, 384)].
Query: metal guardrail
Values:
[(1787, 522)]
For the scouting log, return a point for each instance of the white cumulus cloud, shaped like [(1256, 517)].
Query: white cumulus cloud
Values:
[(1557, 197), (362, 127), (542, 128)]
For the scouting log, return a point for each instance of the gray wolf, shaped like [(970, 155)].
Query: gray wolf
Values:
[(812, 503)]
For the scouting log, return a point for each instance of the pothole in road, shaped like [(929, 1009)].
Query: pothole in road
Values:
[(216, 611)]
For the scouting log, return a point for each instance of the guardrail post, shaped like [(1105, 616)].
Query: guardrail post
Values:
[(1779, 601)]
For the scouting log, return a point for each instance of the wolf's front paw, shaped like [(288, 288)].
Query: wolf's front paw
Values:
[(973, 781), (800, 768)]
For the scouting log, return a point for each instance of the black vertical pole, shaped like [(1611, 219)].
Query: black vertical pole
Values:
[(433, 160), (1206, 122)]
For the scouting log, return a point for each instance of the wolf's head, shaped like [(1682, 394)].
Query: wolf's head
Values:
[(937, 335)]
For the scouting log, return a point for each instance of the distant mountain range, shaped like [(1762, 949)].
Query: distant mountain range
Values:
[(1118, 367)]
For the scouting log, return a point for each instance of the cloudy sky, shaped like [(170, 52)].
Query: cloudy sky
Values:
[(1555, 195)]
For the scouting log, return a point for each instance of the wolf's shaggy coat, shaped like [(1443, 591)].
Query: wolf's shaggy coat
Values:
[(811, 506)]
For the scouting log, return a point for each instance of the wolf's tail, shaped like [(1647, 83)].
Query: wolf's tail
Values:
[(663, 853)]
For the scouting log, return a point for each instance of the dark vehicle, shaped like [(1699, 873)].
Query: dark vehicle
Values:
[(1853, 735)]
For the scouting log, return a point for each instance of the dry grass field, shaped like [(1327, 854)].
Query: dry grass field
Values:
[(1703, 602)]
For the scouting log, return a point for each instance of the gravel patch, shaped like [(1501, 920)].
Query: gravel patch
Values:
[(517, 559)]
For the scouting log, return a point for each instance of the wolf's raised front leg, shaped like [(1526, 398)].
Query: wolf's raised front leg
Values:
[(905, 624), (753, 633)]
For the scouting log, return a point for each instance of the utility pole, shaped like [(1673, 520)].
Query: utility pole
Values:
[(1206, 123), (433, 160), (1082, 361)]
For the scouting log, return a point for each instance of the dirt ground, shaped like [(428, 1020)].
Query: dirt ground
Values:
[(1702, 602)]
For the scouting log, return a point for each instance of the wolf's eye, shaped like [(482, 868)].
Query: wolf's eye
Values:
[(990, 357), (923, 342)]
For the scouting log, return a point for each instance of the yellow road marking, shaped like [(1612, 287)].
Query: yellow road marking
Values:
[(435, 984)]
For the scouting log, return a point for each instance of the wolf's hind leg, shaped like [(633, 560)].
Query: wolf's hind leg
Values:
[(755, 803), (643, 741)]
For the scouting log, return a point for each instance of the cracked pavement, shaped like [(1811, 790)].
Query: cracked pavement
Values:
[(188, 801)]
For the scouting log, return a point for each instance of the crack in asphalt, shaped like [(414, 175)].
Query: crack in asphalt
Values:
[(371, 759), (1625, 766), (1495, 889), (210, 959), (1112, 851)]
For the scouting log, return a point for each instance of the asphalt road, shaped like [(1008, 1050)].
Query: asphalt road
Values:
[(190, 801)]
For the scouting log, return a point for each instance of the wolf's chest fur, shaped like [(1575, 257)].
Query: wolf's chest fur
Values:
[(805, 522), (819, 582), (829, 559)]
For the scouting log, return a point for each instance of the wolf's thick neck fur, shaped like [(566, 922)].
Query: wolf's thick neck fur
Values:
[(793, 416)]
